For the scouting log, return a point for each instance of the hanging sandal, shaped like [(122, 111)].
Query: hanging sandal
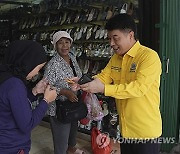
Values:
[(114, 117), (78, 151)]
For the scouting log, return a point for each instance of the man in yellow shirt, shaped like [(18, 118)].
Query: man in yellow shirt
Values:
[(132, 77)]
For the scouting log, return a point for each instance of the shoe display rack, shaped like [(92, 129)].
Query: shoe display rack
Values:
[(5, 37), (84, 20)]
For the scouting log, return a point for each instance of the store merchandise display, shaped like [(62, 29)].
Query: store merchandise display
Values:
[(84, 20)]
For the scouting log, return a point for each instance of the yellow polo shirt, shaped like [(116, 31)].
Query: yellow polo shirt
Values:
[(134, 80)]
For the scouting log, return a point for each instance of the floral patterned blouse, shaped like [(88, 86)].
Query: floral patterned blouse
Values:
[(56, 71)]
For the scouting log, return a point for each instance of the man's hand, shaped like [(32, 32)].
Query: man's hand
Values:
[(95, 86)]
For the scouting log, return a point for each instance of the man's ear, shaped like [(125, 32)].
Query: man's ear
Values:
[(131, 33)]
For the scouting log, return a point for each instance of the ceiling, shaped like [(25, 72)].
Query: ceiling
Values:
[(7, 5)]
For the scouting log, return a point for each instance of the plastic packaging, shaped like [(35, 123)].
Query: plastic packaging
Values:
[(94, 108)]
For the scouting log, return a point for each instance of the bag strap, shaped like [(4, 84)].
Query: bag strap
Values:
[(72, 66), (79, 93)]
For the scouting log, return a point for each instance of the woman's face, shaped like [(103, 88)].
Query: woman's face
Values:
[(63, 46), (34, 72)]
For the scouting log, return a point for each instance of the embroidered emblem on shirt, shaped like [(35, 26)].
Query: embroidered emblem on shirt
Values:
[(116, 68), (133, 67)]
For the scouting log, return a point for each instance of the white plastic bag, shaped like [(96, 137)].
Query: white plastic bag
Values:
[(94, 107)]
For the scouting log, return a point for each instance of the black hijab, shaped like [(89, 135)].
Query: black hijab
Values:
[(20, 59)]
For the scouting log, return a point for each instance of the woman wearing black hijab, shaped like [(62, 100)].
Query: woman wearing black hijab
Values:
[(22, 61)]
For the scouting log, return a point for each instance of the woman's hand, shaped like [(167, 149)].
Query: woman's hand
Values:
[(71, 96), (73, 83), (40, 87), (50, 94)]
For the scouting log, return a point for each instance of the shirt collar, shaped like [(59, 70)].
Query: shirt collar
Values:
[(132, 52), (59, 57)]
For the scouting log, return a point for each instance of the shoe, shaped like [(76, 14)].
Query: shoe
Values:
[(99, 125), (91, 14), (47, 19), (79, 34), (105, 34), (130, 9), (89, 33), (102, 33), (95, 68), (78, 151), (105, 109), (98, 31), (124, 8), (114, 118), (59, 4), (86, 67), (109, 13)]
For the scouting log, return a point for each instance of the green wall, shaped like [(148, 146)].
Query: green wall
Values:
[(170, 56)]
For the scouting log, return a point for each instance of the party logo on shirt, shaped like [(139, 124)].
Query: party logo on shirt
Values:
[(133, 67), (116, 68)]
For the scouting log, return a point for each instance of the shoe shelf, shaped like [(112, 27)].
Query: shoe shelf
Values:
[(55, 27), (91, 41), (84, 20), (95, 58), (5, 37)]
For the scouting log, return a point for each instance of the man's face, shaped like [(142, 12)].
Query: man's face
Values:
[(121, 41)]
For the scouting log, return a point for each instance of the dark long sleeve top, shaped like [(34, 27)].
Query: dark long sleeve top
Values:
[(17, 119)]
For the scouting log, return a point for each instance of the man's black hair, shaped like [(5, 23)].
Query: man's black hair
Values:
[(121, 22)]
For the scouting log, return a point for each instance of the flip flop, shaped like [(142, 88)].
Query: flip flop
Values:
[(78, 151)]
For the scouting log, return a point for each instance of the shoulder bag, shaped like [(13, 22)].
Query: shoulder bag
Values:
[(67, 111)]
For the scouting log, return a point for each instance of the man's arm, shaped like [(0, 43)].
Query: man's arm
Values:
[(148, 73)]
